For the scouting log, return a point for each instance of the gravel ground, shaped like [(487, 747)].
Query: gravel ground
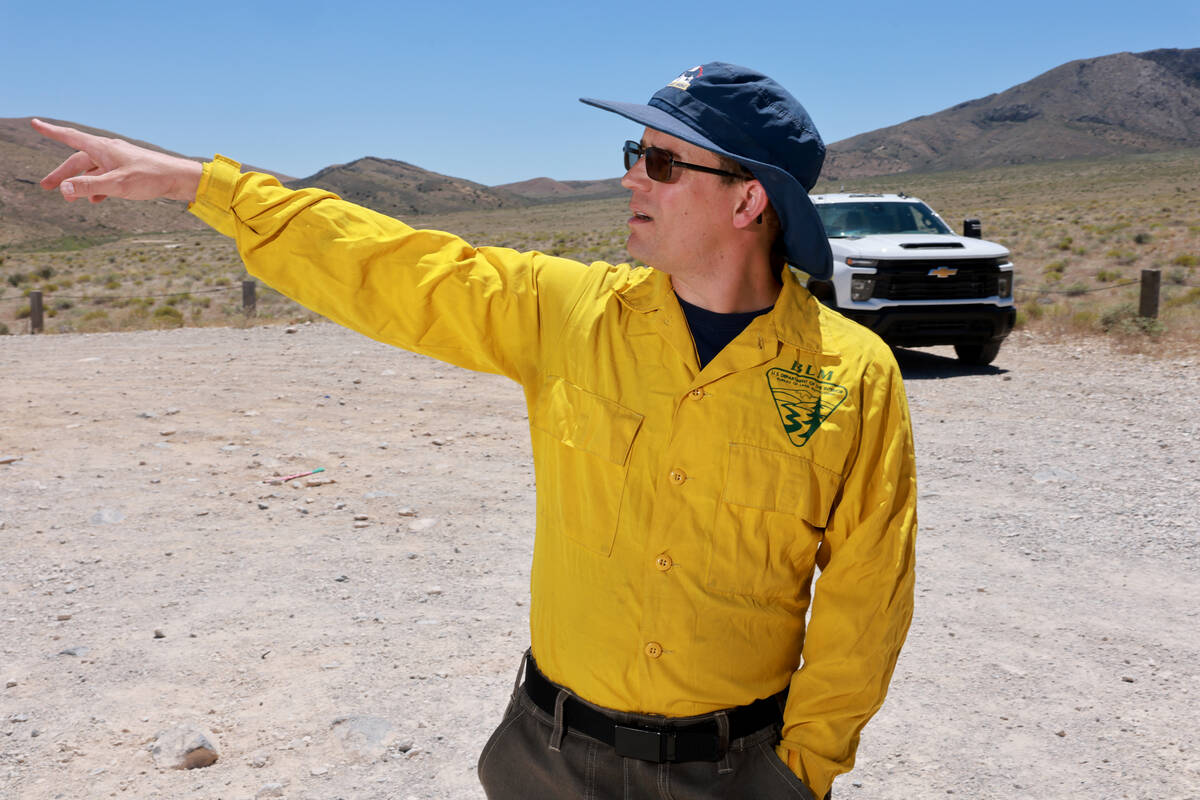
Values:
[(149, 579)]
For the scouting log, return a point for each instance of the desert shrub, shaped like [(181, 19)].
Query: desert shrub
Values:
[(63, 305), (1142, 238), (93, 316), (1124, 320), (1064, 243), (24, 312), (1107, 275), (1054, 270), (15, 279), (1076, 289), (4, 331), (169, 315), (46, 273), (1122, 256), (1181, 260)]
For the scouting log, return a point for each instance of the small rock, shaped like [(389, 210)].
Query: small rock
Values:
[(365, 739), (184, 747), (435, 590), (78, 650), (1060, 734), (407, 511), (9, 684), (62, 617), (258, 760), (1127, 679), (167, 432), (107, 516), (263, 506), (290, 329), (21, 717), (341, 579), (361, 517), (158, 634), (317, 772), (272, 789)]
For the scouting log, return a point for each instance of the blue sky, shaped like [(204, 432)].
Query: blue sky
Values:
[(488, 91)]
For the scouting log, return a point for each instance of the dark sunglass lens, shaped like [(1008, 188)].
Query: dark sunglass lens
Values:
[(658, 164), (632, 151)]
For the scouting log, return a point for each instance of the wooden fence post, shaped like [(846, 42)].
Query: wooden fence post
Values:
[(1151, 282), (35, 312), (249, 300)]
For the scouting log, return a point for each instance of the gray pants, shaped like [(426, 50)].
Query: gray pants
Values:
[(530, 757)]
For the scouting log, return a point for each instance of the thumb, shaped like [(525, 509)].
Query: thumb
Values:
[(89, 186)]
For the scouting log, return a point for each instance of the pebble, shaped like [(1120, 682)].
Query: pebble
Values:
[(184, 747), (273, 789)]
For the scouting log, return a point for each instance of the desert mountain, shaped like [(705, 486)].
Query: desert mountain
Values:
[(548, 189), (1123, 103), (400, 189)]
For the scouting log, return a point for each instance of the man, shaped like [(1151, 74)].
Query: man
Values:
[(705, 435)]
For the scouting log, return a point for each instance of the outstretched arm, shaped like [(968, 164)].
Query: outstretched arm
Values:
[(105, 167)]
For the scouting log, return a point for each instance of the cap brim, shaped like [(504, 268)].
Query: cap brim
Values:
[(803, 234)]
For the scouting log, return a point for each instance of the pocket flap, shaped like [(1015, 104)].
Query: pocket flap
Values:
[(586, 421), (773, 481)]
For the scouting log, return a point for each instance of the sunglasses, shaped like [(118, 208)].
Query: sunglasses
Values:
[(660, 163)]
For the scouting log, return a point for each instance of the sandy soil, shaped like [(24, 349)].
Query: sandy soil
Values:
[(148, 578)]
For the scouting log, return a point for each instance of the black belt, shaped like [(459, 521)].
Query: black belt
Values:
[(699, 741)]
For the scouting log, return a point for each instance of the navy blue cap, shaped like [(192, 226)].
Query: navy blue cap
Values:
[(746, 116)]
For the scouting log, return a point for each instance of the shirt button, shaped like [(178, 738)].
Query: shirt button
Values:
[(696, 394), (678, 476), (653, 649), (663, 562)]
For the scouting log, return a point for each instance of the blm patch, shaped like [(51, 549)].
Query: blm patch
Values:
[(803, 401)]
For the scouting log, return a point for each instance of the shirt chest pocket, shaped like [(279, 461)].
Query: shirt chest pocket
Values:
[(770, 520), (582, 443)]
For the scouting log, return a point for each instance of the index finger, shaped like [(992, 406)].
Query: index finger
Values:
[(68, 136)]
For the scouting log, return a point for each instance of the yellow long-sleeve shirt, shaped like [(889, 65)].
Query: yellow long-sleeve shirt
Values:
[(681, 512)]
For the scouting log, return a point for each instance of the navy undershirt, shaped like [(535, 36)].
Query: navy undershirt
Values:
[(712, 331)]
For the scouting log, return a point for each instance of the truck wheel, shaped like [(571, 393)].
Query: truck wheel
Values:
[(977, 354)]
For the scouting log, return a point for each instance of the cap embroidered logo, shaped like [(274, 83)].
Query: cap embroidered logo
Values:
[(684, 81)]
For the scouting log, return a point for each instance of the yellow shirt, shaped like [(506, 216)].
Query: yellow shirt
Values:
[(681, 513)]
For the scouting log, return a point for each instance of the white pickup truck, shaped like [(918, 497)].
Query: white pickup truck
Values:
[(902, 272)]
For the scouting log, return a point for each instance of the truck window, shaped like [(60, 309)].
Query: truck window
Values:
[(858, 218)]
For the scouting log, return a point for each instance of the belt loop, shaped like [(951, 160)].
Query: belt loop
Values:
[(724, 767), (556, 735), (522, 669)]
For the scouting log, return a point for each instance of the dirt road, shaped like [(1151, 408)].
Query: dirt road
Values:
[(148, 578)]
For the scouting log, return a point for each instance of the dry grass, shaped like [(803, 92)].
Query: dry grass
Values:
[(1078, 230)]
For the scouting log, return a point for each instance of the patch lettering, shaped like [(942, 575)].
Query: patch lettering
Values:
[(805, 396)]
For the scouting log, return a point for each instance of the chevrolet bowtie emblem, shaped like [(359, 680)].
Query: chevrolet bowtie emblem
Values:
[(943, 272)]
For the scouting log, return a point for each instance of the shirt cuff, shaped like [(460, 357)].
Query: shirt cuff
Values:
[(214, 197)]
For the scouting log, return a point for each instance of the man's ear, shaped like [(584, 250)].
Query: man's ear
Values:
[(752, 202)]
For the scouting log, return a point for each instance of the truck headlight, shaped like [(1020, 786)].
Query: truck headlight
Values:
[(861, 262), (861, 288), (1004, 284)]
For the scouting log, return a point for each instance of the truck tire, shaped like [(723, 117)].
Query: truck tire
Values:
[(977, 354)]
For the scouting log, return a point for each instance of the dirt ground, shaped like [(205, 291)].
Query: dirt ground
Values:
[(149, 578)]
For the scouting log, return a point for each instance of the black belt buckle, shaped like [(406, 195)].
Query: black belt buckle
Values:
[(643, 744)]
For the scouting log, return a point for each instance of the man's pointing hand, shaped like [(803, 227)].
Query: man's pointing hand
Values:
[(105, 167)]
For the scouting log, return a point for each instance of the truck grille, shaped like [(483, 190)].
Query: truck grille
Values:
[(910, 279)]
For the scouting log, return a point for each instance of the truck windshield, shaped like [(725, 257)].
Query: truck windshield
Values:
[(864, 218)]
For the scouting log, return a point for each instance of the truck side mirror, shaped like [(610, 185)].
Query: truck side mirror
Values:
[(972, 228)]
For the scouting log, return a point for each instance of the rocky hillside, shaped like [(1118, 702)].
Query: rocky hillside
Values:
[(1123, 103)]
